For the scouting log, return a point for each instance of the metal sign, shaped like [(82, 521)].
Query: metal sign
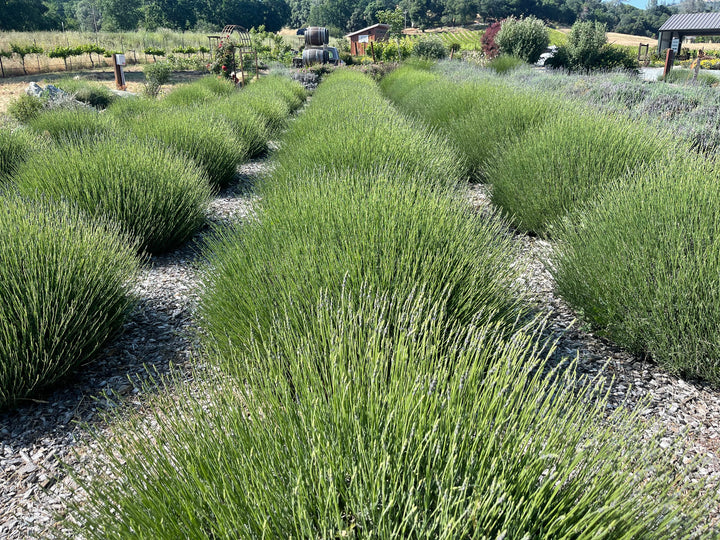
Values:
[(365, 38), (120, 58), (675, 45)]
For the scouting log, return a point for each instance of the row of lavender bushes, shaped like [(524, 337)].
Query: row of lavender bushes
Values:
[(91, 195), (632, 209), (379, 373)]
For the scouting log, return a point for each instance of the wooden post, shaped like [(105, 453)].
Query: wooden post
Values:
[(372, 50), (2, 68), (257, 71), (118, 63), (669, 59), (242, 70)]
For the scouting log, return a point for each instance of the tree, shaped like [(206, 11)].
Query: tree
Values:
[(299, 12), (423, 12), (24, 15), (120, 14), (88, 16), (460, 11), (525, 38), (395, 18)]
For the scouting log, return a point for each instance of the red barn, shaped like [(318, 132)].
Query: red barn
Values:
[(361, 39)]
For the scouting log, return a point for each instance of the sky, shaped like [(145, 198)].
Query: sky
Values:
[(637, 3)]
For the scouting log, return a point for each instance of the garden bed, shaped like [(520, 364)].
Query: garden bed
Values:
[(161, 335)]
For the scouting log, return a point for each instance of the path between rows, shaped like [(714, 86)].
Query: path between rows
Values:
[(161, 335)]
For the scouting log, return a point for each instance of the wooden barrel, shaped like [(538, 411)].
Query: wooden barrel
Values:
[(315, 56), (316, 36)]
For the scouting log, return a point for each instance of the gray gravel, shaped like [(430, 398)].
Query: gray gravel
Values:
[(161, 335)]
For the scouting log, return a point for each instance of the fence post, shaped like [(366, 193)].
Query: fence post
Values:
[(669, 59)]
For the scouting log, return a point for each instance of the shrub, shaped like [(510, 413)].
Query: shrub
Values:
[(641, 265), (504, 63), (206, 140), (326, 208), (365, 137), (409, 431), (430, 48), (248, 126), (73, 123), (129, 109), (587, 50), (25, 108), (206, 88), (489, 47), (188, 94), (216, 85), (477, 118), (321, 230), (15, 147), (153, 193), (585, 43), (566, 161), (65, 282), (95, 95), (525, 38), (156, 74), (276, 87), (404, 80)]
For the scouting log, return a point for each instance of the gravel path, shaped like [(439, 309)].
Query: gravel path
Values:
[(161, 336)]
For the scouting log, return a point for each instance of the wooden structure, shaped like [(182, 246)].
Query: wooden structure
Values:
[(681, 25), (360, 40), (240, 38)]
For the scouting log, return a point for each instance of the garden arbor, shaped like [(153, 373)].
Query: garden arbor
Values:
[(234, 40)]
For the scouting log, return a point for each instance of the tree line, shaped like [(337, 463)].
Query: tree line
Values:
[(339, 15)]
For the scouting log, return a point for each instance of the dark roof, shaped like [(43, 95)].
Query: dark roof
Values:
[(379, 26), (692, 21)]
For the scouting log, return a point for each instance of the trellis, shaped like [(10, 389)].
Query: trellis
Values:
[(242, 44)]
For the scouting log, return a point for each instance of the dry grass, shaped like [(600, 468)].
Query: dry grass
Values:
[(13, 87)]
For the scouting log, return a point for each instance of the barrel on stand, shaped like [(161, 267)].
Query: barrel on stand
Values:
[(315, 56), (316, 36)]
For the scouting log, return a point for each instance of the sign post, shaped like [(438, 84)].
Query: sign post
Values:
[(669, 59), (118, 63)]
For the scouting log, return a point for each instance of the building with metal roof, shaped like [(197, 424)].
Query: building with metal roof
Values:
[(681, 25)]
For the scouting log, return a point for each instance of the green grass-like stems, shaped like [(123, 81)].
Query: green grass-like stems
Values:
[(641, 265), (204, 138), (94, 94), (207, 88), (64, 291), (15, 147), (65, 124), (248, 125), (153, 193), (419, 430), (556, 167), (349, 126), (331, 231), (505, 63), (129, 109), (685, 76), (477, 118)]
